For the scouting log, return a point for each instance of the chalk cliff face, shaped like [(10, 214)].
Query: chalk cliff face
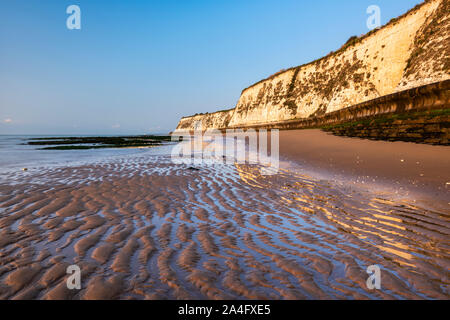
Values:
[(410, 51), (219, 119)]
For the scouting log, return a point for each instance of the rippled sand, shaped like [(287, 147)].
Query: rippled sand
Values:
[(150, 229)]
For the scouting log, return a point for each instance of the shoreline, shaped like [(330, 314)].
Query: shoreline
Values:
[(415, 171)]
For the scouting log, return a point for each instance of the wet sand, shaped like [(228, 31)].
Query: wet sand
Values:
[(143, 227), (418, 172)]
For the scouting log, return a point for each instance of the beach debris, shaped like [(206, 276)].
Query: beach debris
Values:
[(193, 169), (24, 169)]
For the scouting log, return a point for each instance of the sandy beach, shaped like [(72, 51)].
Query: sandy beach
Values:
[(142, 227), (417, 172)]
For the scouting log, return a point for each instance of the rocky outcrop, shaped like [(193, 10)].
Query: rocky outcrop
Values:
[(410, 51), (430, 127)]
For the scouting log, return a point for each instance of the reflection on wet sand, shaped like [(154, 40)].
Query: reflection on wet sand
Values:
[(150, 229)]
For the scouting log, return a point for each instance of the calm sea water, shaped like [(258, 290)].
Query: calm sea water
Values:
[(16, 154)]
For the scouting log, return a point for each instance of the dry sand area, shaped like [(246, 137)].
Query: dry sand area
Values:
[(145, 228)]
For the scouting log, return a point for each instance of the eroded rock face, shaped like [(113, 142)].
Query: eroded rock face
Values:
[(410, 51), (218, 119), (430, 57)]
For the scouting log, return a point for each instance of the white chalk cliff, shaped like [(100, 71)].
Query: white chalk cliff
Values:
[(408, 52)]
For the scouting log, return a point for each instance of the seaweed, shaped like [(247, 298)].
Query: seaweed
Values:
[(82, 143)]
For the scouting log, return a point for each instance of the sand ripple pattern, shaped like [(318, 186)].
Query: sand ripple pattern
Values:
[(144, 228)]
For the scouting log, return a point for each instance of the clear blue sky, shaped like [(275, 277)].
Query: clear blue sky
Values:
[(138, 66)]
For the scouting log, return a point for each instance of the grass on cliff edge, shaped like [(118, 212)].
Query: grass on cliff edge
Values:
[(389, 118)]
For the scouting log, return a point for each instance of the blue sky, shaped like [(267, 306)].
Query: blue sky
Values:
[(138, 66)]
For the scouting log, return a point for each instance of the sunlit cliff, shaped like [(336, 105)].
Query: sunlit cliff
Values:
[(410, 51)]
